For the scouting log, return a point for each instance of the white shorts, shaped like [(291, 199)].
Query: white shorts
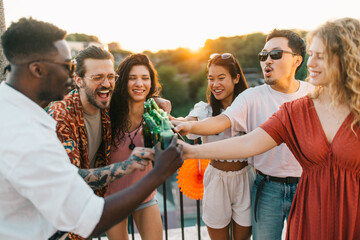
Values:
[(227, 196)]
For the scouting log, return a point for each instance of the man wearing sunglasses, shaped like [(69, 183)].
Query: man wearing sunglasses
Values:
[(41, 191), (278, 172)]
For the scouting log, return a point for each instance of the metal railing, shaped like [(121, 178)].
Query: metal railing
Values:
[(165, 217), (165, 213)]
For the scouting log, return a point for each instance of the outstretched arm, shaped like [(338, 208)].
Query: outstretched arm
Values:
[(100, 177), (208, 126), (118, 206), (163, 103), (248, 145)]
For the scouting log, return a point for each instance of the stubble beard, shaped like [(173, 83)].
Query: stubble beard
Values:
[(270, 81), (91, 97), (47, 95)]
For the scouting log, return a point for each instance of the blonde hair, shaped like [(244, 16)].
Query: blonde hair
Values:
[(342, 38)]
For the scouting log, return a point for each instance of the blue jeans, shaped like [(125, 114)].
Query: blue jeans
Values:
[(273, 207)]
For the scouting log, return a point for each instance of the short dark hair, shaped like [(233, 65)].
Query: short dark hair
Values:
[(296, 43), (92, 52), (29, 38)]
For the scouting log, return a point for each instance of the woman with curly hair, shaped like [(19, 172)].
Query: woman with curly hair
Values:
[(322, 130), (136, 83)]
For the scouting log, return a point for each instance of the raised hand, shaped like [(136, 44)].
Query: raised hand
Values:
[(142, 155), (169, 160), (182, 127), (188, 150), (180, 119), (100, 177), (164, 104)]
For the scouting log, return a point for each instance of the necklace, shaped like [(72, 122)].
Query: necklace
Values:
[(132, 145)]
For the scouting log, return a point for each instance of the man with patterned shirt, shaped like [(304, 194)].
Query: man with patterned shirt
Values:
[(84, 124), (42, 195)]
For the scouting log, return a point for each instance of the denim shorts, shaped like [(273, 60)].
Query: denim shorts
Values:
[(149, 203)]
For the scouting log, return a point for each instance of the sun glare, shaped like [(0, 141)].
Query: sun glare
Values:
[(162, 24)]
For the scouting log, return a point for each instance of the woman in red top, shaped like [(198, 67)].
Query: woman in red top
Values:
[(323, 133), (136, 83)]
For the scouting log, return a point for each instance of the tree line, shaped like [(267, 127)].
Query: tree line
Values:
[(182, 72)]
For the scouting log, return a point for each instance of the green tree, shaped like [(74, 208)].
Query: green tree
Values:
[(174, 89), (201, 94), (197, 80), (82, 37), (302, 73), (183, 72)]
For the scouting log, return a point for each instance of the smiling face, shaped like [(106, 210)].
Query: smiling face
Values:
[(96, 94), (221, 84), (317, 65), (279, 70), (139, 83)]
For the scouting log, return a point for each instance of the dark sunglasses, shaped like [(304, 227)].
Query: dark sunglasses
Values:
[(274, 54), (70, 65), (223, 55)]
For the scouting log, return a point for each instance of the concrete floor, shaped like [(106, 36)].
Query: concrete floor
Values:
[(191, 233)]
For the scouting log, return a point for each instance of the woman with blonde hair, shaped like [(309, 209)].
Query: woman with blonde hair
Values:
[(322, 130)]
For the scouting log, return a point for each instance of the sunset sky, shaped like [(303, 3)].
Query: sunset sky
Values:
[(167, 24)]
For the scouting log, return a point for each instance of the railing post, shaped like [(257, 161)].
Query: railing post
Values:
[(131, 222), (182, 215), (165, 211), (198, 218)]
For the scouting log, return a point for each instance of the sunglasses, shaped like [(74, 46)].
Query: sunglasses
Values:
[(70, 65), (274, 54), (223, 55)]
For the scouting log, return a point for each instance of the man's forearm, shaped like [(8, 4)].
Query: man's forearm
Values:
[(130, 198), (119, 205), (100, 177)]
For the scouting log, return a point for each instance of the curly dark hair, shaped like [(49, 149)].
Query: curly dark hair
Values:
[(296, 43), (119, 108), (29, 39), (234, 68)]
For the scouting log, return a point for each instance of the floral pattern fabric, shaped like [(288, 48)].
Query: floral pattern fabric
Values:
[(71, 131)]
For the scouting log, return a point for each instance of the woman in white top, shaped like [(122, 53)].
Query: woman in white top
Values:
[(227, 184)]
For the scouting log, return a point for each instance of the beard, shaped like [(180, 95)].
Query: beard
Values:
[(91, 96), (270, 81), (48, 95)]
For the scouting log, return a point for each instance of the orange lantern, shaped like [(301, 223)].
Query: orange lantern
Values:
[(190, 177)]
